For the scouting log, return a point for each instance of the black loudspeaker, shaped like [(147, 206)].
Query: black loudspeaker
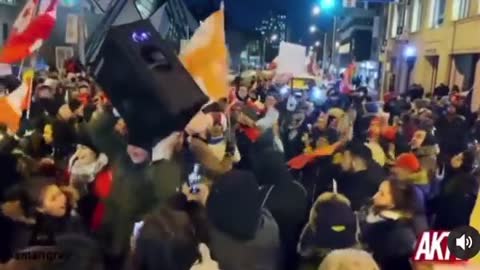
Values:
[(146, 82)]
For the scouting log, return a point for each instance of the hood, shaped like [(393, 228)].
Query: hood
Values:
[(419, 178), (234, 204)]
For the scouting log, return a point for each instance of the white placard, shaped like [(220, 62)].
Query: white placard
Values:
[(71, 30), (62, 53), (292, 59)]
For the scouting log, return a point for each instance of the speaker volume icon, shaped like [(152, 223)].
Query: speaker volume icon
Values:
[(463, 242)]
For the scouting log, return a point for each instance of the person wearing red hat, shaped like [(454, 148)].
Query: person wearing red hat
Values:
[(407, 168)]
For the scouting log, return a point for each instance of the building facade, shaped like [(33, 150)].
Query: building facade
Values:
[(359, 39), (430, 42)]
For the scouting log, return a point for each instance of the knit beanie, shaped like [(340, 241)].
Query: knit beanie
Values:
[(234, 205), (408, 161)]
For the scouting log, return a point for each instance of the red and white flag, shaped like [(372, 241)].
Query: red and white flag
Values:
[(16, 102), (29, 30)]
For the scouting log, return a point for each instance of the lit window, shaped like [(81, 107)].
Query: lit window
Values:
[(417, 15), (8, 2), (394, 20), (461, 9), (437, 12)]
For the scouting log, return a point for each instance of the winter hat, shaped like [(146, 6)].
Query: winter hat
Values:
[(333, 221), (83, 138), (408, 161), (234, 204)]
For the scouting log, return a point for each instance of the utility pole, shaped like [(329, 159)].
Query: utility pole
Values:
[(325, 51), (334, 42)]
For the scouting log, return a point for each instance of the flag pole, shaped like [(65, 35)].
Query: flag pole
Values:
[(20, 70)]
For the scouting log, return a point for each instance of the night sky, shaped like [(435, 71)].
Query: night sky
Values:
[(246, 14)]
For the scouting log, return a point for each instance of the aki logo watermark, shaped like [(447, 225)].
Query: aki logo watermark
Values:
[(42, 247)]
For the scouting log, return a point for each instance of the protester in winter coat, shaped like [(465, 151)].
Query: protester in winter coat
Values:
[(168, 240), (10, 177), (279, 191), (453, 205), (348, 259), (451, 132), (89, 172), (331, 225), (361, 175), (243, 235), (43, 211), (138, 184), (387, 231), (425, 148), (407, 168)]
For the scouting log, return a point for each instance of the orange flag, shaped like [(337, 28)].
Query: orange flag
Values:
[(205, 56), (300, 161), (12, 106)]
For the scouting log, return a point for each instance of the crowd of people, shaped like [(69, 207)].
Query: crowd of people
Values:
[(264, 180)]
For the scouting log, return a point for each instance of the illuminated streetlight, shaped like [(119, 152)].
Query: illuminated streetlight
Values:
[(317, 44), (410, 51), (316, 10), (337, 44), (274, 37), (313, 29)]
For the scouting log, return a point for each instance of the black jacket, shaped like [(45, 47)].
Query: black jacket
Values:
[(454, 204), (359, 187), (391, 241), (260, 253), (285, 198)]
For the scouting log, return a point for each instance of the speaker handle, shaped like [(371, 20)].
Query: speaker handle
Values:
[(154, 57)]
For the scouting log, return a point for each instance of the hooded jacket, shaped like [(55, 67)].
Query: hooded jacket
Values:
[(136, 189), (243, 234), (285, 198), (260, 253)]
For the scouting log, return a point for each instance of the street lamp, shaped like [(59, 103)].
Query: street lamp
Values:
[(317, 44), (316, 10), (313, 29), (274, 37)]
